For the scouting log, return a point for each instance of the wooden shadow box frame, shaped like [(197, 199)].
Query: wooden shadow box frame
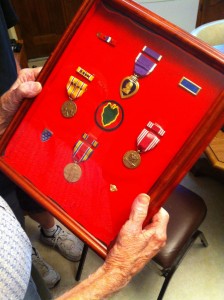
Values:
[(96, 206)]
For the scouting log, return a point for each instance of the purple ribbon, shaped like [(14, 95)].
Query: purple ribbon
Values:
[(143, 65), (152, 53)]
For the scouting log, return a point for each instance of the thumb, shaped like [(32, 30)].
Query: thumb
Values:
[(140, 209), (12, 98), (27, 89)]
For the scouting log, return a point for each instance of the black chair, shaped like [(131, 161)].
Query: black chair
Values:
[(187, 211)]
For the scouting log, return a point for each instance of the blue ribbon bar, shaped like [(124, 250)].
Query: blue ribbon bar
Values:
[(189, 86)]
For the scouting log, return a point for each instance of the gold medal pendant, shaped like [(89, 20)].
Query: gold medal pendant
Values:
[(129, 86), (132, 159), (68, 109), (72, 172)]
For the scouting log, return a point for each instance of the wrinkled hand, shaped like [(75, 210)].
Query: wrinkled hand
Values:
[(135, 246), (24, 87)]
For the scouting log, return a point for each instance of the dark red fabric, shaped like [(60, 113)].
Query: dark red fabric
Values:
[(159, 99)]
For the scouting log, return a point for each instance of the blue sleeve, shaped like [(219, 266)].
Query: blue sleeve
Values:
[(9, 13)]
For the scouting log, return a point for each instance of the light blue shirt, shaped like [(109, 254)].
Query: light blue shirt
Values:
[(15, 256)]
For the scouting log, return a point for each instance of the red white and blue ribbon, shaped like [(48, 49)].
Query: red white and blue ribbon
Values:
[(106, 38)]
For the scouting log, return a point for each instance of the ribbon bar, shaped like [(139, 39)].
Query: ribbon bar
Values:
[(85, 74), (190, 86), (106, 38)]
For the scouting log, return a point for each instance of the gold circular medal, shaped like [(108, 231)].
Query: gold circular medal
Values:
[(72, 172), (132, 159), (68, 109)]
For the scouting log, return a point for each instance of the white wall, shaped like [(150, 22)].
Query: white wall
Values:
[(182, 13)]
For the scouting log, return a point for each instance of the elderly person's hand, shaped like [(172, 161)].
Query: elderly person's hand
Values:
[(24, 87), (134, 247)]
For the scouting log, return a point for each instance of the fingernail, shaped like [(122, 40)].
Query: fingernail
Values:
[(37, 86), (144, 198)]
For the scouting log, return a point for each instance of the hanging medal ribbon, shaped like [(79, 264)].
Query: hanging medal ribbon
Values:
[(152, 53), (146, 141), (81, 152), (143, 65), (130, 85), (156, 128), (75, 89), (90, 139)]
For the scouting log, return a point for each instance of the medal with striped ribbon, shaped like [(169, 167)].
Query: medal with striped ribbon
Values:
[(146, 141), (81, 152), (75, 89)]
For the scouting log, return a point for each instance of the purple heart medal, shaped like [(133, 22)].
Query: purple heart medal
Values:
[(143, 67)]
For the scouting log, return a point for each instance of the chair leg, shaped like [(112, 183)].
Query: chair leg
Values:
[(203, 239), (168, 274), (82, 261)]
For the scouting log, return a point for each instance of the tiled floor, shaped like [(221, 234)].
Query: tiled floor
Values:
[(199, 275)]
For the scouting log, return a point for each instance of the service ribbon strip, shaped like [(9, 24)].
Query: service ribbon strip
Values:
[(85, 74), (106, 38), (190, 86)]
